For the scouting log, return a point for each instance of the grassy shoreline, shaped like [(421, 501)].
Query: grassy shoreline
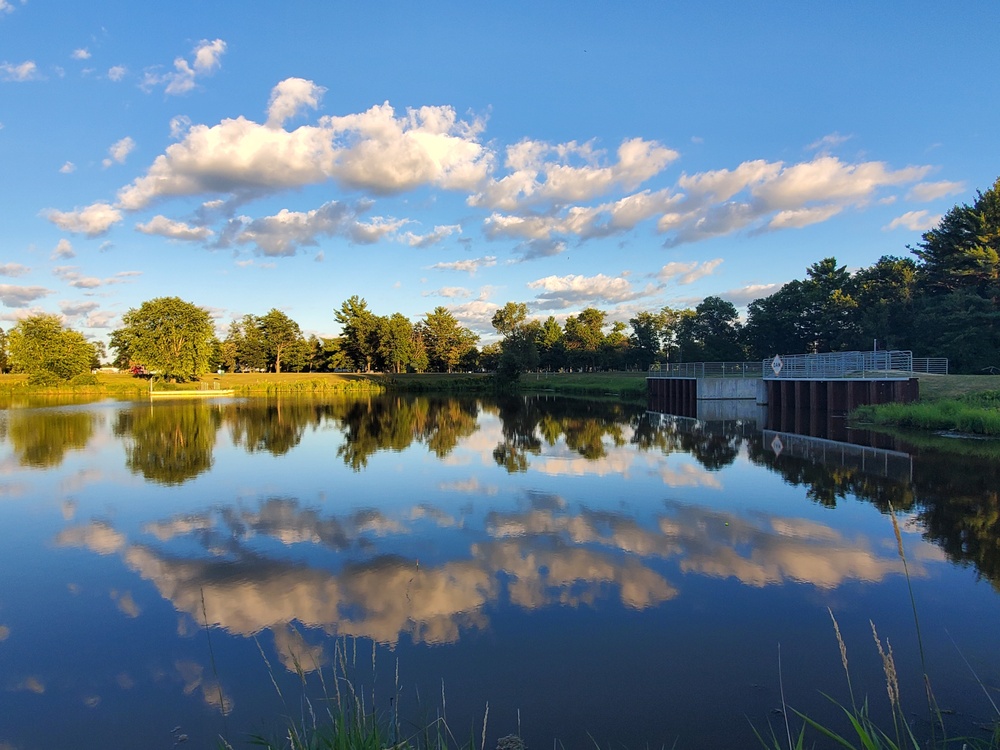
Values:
[(966, 404), (627, 385), (962, 404)]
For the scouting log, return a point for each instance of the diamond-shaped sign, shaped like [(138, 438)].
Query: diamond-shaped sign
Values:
[(777, 446), (777, 364)]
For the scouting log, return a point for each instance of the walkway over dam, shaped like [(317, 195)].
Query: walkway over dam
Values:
[(795, 388)]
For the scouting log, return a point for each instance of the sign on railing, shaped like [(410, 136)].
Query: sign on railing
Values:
[(885, 363)]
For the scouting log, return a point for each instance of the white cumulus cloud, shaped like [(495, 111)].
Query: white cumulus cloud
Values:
[(286, 231), (433, 237), (747, 294), (13, 269), (93, 220), (21, 296), (687, 273), (206, 59), (451, 292), (929, 191), (119, 151), (467, 266), (290, 97), (559, 292), (63, 249), (374, 150), (175, 230), (26, 71), (915, 221), (560, 174)]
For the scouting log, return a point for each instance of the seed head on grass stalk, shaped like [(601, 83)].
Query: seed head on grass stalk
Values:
[(843, 658)]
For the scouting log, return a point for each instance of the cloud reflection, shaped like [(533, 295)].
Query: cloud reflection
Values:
[(97, 536), (766, 550), (547, 554), (193, 677)]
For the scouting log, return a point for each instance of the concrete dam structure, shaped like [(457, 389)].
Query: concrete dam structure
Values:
[(801, 392)]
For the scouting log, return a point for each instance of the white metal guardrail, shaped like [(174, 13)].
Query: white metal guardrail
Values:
[(831, 365), (839, 365), (931, 365), (707, 370)]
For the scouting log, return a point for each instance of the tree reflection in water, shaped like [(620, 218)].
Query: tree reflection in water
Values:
[(954, 494), (42, 438), (168, 443), (394, 423)]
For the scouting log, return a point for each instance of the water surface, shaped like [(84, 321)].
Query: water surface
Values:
[(587, 569)]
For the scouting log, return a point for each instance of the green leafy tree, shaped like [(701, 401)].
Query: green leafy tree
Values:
[(446, 341), (776, 324), (961, 326), (359, 327), (396, 342), (167, 335), (830, 306), (551, 345), (315, 356), (510, 318), (41, 347), (616, 347), (646, 340), (252, 348), (421, 359), (337, 359), (519, 348), (818, 314), (584, 338), (712, 333), (282, 338), (228, 350), (4, 366), (100, 354), (885, 294)]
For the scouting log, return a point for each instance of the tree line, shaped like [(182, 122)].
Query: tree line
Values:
[(943, 300)]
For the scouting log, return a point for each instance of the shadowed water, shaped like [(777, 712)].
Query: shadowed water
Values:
[(587, 568)]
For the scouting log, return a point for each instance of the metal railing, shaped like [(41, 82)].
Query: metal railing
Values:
[(931, 365), (839, 365), (707, 370)]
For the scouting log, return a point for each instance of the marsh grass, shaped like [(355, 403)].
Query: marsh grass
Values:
[(343, 717), (628, 385), (861, 732), (973, 413)]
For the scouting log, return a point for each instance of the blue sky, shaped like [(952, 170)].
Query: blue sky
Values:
[(622, 156)]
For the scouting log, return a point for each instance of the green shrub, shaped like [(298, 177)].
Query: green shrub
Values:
[(84, 378), (45, 378)]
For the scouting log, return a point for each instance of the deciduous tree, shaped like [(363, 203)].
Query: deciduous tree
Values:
[(282, 337), (518, 349), (166, 335), (359, 327), (41, 347)]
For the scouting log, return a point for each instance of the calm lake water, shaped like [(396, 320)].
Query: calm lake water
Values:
[(586, 569)]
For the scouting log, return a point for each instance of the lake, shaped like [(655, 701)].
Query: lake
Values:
[(575, 571)]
